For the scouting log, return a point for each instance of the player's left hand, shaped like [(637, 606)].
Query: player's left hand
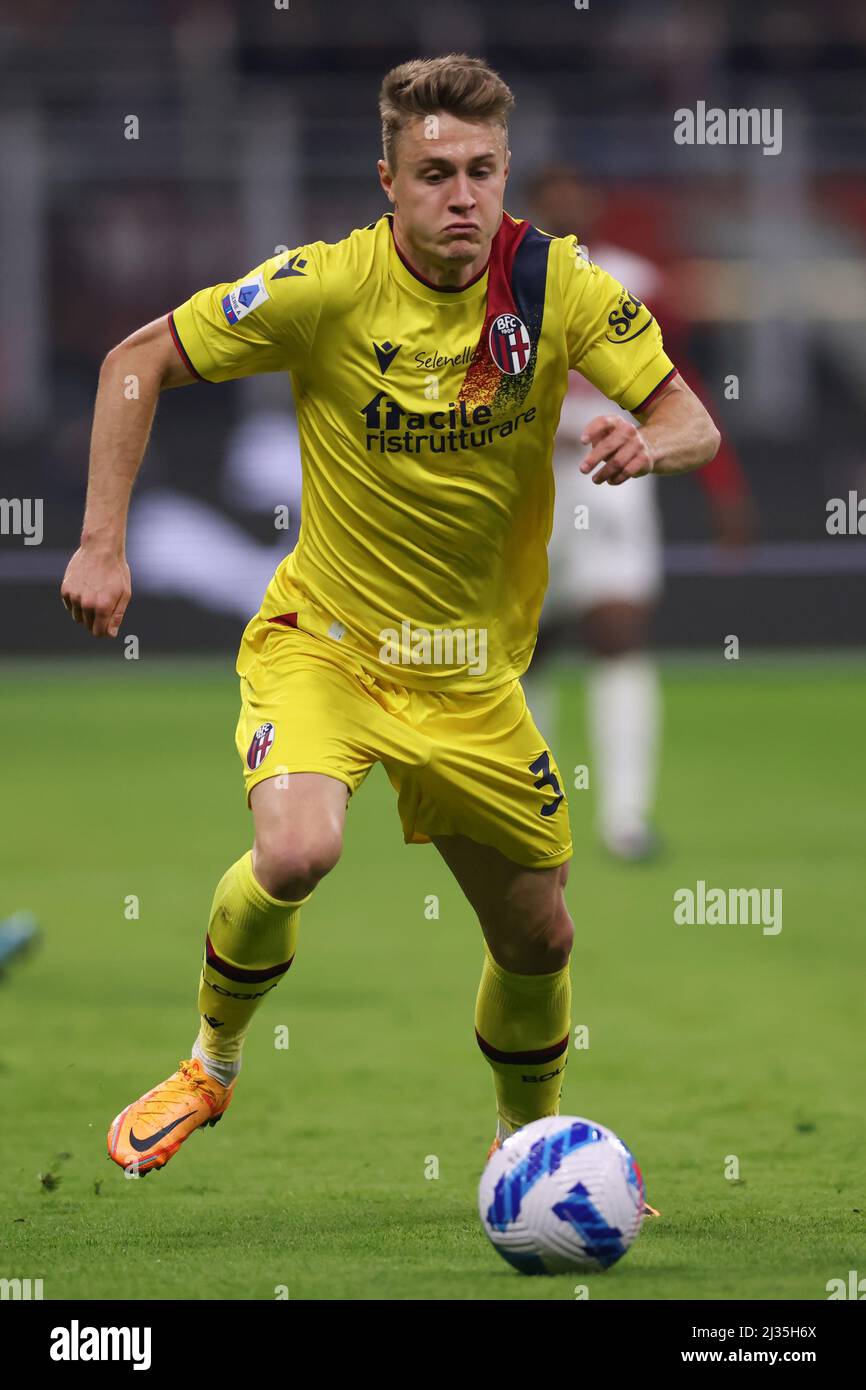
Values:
[(620, 446)]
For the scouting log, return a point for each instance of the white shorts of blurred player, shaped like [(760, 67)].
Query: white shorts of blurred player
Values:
[(606, 547)]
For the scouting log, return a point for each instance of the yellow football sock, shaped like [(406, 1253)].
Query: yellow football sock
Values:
[(250, 945), (522, 1023)]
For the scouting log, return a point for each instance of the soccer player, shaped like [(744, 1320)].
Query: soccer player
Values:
[(606, 568), (429, 356)]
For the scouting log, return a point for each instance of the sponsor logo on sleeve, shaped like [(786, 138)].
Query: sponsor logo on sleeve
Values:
[(628, 320), (243, 298)]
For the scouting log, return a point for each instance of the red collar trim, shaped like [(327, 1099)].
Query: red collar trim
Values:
[(442, 289)]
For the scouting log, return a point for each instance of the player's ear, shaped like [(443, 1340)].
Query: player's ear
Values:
[(386, 179)]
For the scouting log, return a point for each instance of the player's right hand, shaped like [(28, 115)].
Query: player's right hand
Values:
[(96, 589)]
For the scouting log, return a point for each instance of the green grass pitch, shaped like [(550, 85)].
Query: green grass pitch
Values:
[(705, 1041)]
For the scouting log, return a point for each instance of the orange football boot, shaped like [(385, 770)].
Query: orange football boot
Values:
[(497, 1144), (147, 1133)]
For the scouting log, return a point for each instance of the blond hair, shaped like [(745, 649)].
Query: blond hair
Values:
[(460, 85)]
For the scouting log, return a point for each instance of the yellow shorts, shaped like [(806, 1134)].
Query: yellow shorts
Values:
[(461, 764)]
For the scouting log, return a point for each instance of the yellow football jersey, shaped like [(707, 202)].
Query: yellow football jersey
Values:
[(427, 418)]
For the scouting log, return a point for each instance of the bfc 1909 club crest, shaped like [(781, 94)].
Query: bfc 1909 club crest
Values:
[(261, 746), (510, 344)]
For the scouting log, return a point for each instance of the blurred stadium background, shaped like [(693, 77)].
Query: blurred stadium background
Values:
[(257, 128)]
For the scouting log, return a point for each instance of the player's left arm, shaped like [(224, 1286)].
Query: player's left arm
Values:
[(675, 434), (614, 341)]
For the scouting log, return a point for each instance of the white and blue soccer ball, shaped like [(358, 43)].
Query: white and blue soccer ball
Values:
[(562, 1194)]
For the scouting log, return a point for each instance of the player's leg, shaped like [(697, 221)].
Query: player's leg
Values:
[(249, 946), (624, 715), (489, 795), (253, 926), (521, 912), (523, 1006), (302, 737)]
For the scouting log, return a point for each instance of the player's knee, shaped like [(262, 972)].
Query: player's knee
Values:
[(538, 943), (559, 937), (290, 868), (553, 938)]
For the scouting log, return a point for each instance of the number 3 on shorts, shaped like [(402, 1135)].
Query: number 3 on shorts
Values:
[(546, 778)]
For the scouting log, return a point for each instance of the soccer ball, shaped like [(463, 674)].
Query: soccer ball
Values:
[(561, 1194)]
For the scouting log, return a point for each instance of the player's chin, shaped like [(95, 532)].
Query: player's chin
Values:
[(460, 250)]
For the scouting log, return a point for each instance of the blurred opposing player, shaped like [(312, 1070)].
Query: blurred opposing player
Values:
[(18, 935), (606, 565), (429, 355)]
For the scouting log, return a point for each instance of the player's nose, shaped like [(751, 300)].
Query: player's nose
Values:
[(462, 196)]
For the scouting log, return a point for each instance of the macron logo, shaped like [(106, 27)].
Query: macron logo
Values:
[(77, 1343), (385, 354), (295, 265)]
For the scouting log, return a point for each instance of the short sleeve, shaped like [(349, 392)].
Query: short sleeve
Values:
[(264, 322), (613, 339)]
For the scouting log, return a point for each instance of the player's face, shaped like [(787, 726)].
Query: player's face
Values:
[(447, 189)]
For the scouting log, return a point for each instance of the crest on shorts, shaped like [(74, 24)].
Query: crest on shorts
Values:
[(510, 344), (260, 747)]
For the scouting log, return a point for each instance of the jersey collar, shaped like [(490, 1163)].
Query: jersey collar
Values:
[(409, 279)]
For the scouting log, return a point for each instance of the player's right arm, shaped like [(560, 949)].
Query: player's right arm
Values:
[(265, 322), (96, 587)]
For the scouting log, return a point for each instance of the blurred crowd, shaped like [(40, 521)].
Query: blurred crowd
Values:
[(147, 151)]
